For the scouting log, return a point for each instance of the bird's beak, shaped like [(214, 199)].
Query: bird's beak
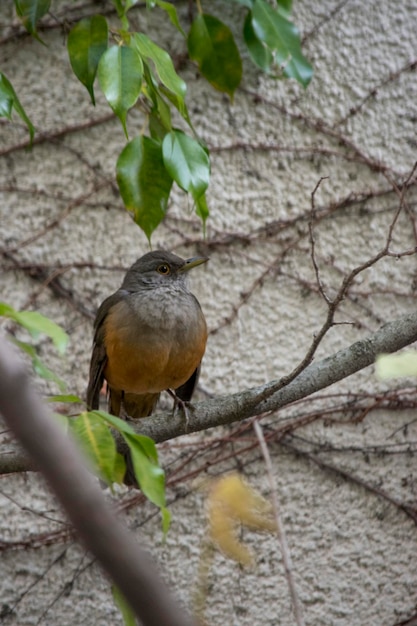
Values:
[(193, 262)]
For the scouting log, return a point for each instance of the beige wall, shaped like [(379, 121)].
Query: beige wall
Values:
[(353, 551)]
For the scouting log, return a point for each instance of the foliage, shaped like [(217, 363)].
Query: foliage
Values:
[(37, 324), (94, 429), (231, 503), (132, 70), (10, 101)]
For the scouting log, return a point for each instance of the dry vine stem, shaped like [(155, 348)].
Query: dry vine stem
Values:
[(286, 555)]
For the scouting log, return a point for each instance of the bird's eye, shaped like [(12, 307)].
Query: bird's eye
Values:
[(164, 269)]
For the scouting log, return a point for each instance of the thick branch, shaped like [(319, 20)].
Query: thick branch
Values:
[(389, 338), (60, 461), (225, 410)]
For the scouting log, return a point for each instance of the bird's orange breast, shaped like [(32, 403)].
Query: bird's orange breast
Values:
[(150, 357)]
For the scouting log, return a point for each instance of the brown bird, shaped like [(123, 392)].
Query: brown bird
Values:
[(150, 336)]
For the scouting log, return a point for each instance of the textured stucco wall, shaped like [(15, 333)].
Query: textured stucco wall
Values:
[(353, 552)]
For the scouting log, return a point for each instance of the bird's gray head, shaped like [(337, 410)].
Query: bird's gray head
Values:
[(158, 268)]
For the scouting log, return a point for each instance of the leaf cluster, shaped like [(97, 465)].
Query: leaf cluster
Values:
[(134, 71), (93, 429)]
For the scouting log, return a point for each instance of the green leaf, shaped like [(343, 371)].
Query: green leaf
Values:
[(122, 7), (148, 444), (97, 443), (283, 39), (120, 72), (396, 365), (159, 118), (182, 107), (163, 66), (8, 100), (144, 182), (7, 95), (149, 474), (284, 7), (187, 162), (128, 615), (87, 41), (202, 209), (159, 121), (30, 12), (67, 398), (172, 13), (115, 422), (211, 45), (260, 54), (36, 323)]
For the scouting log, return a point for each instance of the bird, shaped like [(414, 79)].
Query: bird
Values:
[(149, 336)]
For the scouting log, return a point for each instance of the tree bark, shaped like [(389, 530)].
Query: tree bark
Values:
[(60, 461)]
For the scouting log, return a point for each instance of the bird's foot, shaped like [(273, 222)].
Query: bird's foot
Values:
[(182, 404)]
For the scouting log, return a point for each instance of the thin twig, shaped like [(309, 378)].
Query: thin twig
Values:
[(313, 242), (286, 556)]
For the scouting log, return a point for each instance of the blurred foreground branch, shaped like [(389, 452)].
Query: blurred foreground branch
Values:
[(58, 458)]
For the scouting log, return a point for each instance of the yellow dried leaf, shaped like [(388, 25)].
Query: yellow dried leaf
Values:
[(233, 502)]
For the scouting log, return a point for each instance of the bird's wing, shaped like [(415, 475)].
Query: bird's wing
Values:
[(186, 390), (99, 355)]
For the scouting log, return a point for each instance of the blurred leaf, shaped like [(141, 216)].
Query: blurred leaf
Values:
[(211, 45), (30, 12), (202, 210), (67, 398), (144, 182), (231, 503), (8, 100), (260, 54), (163, 66), (187, 162), (283, 39), (181, 106), (36, 323), (129, 4), (7, 96), (128, 615), (120, 72), (38, 365), (284, 7), (97, 443), (169, 8), (122, 7), (87, 41), (115, 422), (396, 365)]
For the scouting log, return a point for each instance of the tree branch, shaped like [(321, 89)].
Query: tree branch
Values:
[(57, 456), (228, 409), (224, 410)]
